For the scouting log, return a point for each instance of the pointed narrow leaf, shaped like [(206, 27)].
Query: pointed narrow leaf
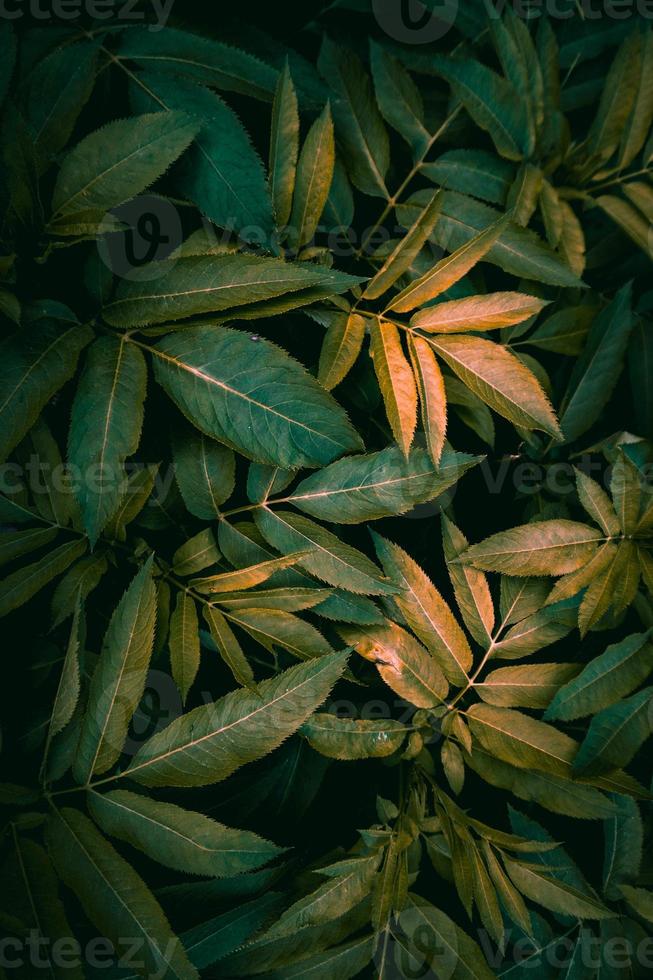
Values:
[(184, 643), (405, 253), (119, 678), (383, 484), (105, 428), (613, 675), (284, 147), (314, 176), (499, 379), (426, 612), (119, 161), (253, 397), (553, 547), (210, 284), (395, 379), (359, 126), (228, 647), (114, 897), (470, 586), (205, 472), (448, 270), (212, 741), (432, 395), (177, 838), (487, 312), (35, 364), (342, 344), (329, 559)]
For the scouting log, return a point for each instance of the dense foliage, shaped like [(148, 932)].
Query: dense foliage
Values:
[(292, 686)]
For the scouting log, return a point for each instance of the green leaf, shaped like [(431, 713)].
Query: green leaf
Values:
[(623, 846), (119, 161), (553, 547), (350, 738), (487, 312), (22, 585), (78, 582), (16, 544), (626, 489), (314, 176), (613, 675), (555, 793), (291, 599), (342, 606), (113, 896), (211, 941), (474, 172), (344, 961), (448, 270), (615, 735), (184, 643), (628, 218), (200, 58), (69, 687), (208, 284), (58, 88), (553, 894), (342, 344), (180, 839), (36, 363), (406, 251), (403, 663), (640, 900), (522, 741), (616, 100), (31, 893), (597, 370), (359, 126), (253, 397), (491, 101), (328, 558), (330, 901), (425, 611), (222, 172), (499, 379), (452, 949), (399, 100), (105, 427), (529, 686), (383, 484), (119, 678), (638, 124), (212, 741), (228, 647), (277, 629), (518, 251), (284, 146), (537, 631), (196, 554), (205, 472)]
